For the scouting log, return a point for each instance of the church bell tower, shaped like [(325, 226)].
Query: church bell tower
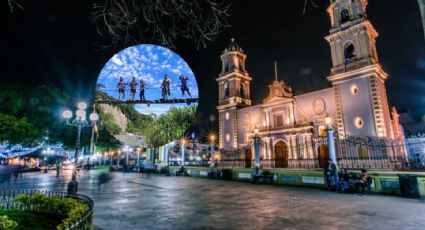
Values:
[(234, 93), (356, 75)]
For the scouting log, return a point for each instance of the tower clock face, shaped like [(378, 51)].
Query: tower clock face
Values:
[(319, 106)]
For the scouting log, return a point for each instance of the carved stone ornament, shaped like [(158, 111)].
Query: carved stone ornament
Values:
[(319, 106)]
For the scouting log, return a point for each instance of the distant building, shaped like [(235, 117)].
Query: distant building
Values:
[(289, 124)]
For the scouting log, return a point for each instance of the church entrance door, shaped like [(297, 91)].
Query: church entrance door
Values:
[(281, 154), (248, 158), (323, 155)]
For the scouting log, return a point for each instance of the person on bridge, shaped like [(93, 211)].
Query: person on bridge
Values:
[(121, 89), (165, 87), (142, 90), (183, 86), (133, 88)]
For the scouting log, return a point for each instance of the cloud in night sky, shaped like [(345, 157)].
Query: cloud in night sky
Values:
[(150, 63)]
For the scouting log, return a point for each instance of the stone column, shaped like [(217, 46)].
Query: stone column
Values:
[(331, 146), (257, 150)]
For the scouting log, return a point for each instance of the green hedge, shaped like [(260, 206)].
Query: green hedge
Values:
[(67, 210)]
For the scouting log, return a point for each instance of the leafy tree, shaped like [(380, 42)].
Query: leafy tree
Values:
[(169, 126), (15, 129), (12, 98)]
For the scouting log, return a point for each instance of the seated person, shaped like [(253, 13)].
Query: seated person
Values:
[(343, 180), (364, 182), (181, 171)]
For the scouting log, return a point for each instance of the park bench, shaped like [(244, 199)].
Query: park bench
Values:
[(182, 173), (214, 174), (354, 179), (266, 177)]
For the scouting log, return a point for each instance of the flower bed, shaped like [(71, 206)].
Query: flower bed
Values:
[(57, 210)]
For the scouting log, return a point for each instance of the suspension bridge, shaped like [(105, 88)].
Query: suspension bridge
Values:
[(148, 102)]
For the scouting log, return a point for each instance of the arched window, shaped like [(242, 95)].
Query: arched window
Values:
[(242, 89), (349, 52), (226, 66), (345, 15), (226, 89)]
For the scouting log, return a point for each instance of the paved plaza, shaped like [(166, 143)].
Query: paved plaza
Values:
[(132, 201)]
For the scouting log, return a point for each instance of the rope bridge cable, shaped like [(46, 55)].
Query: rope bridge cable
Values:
[(146, 87), (148, 102)]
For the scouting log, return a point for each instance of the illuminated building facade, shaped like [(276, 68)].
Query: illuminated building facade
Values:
[(290, 125)]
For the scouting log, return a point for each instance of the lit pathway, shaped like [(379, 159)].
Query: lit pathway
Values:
[(134, 202)]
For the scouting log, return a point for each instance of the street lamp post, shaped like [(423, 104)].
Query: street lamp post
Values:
[(330, 137), (212, 148), (183, 153), (138, 156), (80, 121), (129, 150), (118, 158), (257, 147)]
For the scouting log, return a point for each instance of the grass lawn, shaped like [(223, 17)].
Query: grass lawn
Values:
[(28, 220)]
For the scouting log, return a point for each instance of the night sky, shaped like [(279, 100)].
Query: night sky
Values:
[(55, 43)]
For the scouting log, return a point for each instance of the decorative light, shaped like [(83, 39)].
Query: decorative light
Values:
[(94, 117), (67, 114), (328, 120), (82, 105), (81, 114), (358, 122)]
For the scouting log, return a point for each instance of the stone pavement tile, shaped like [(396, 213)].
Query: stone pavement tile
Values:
[(196, 203)]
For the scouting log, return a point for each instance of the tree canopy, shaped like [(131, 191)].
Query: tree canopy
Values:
[(28, 113)]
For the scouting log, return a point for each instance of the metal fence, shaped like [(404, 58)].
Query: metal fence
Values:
[(351, 153), (8, 201)]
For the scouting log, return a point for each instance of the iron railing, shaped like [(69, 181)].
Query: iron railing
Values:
[(8, 201), (351, 153)]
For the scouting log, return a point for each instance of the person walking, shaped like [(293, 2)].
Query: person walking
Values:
[(133, 88), (142, 90), (121, 89), (165, 87), (183, 86)]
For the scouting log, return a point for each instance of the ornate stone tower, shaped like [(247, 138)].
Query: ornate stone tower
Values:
[(357, 77), (234, 92)]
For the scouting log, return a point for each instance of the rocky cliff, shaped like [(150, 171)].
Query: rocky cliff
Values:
[(117, 116)]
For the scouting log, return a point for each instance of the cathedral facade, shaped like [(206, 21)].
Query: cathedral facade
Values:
[(290, 125)]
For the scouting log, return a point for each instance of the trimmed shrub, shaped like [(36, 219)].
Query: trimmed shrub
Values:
[(67, 210), (7, 224)]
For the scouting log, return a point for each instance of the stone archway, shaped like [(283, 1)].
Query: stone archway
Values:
[(281, 154), (323, 152)]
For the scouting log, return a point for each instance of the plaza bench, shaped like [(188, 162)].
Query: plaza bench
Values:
[(214, 174), (180, 173), (351, 185), (265, 176)]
